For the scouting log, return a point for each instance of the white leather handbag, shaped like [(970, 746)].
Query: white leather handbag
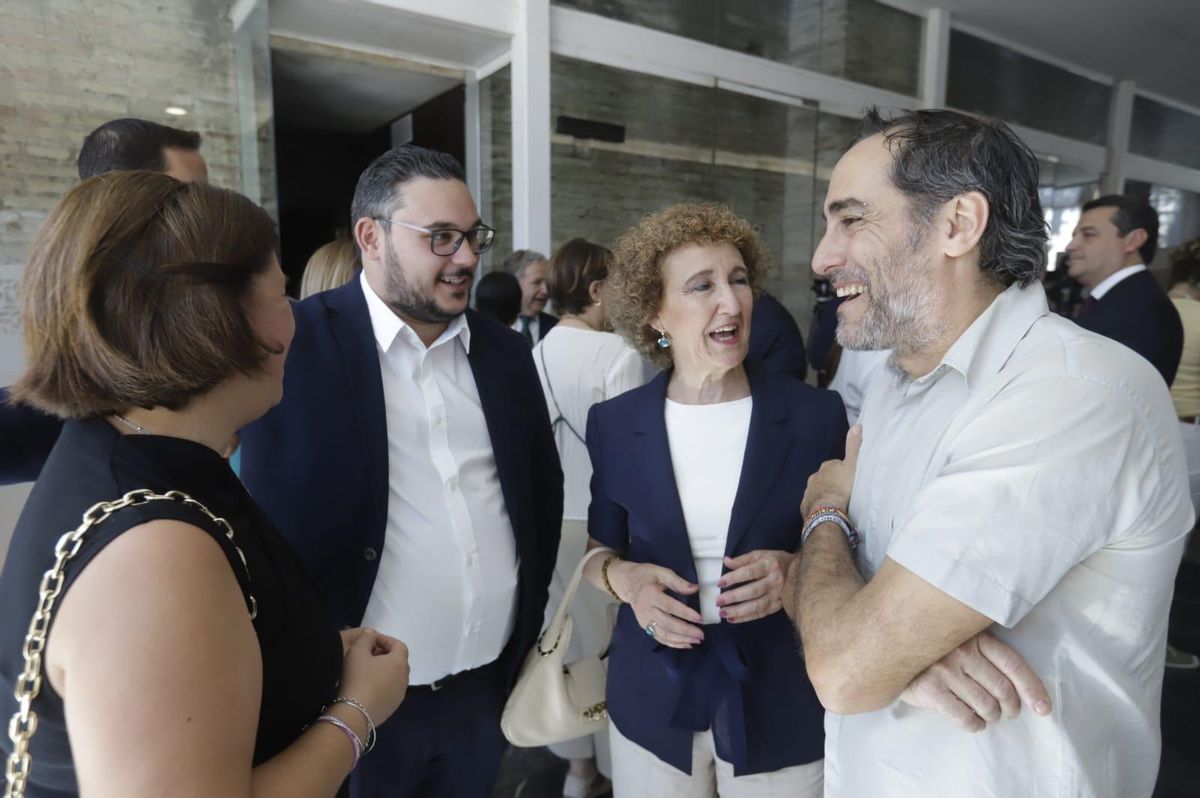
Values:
[(553, 702)]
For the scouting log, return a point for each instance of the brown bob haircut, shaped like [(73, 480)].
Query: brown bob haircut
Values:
[(636, 281), (577, 264), (134, 295)]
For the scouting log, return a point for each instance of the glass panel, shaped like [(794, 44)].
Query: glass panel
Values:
[(256, 127), (495, 194), (861, 40), (686, 142), (1178, 215), (986, 78), (1062, 189), (1166, 133)]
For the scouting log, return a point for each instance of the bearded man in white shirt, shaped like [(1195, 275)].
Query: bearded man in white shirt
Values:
[(1012, 475)]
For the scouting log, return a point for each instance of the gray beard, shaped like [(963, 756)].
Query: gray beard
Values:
[(903, 314)]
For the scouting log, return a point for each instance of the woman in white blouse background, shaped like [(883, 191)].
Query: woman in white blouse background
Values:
[(580, 364)]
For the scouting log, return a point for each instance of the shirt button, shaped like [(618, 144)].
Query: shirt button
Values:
[(452, 483), (369, 554)]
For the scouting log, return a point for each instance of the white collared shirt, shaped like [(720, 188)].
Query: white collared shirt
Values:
[(447, 581), (1037, 476), (1111, 280)]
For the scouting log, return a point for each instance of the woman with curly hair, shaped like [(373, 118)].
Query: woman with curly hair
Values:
[(695, 490)]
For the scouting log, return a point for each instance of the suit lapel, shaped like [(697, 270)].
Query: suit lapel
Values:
[(350, 321), (767, 447), (651, 452)]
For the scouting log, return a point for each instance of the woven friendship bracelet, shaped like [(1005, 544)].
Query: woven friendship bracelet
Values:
[(833, 515), (345, 727)]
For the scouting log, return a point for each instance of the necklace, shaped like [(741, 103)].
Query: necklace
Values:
[(138, 428)]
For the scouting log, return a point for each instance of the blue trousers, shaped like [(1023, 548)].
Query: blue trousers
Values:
[(439, 744)]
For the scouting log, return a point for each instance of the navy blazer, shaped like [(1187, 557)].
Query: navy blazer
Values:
[(318, 462), (747, 681), (775, 338), (1138, 313)]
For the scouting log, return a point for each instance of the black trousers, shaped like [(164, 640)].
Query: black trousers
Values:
[(440, 743)]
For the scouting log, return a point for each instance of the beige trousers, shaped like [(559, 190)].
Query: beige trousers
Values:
[(637, 773)]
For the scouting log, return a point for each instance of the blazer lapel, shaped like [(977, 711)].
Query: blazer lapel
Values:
[(492, 382), (651, 452), (350, 321), (767, 447)]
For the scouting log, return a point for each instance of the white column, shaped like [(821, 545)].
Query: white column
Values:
[(531, 125), (1120, 120), (935, 58)]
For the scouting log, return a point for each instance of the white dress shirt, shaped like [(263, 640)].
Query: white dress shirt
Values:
[(708, 445), (535, 326), (1037, 476), (447, 581), (857, 369), (1111, 280)]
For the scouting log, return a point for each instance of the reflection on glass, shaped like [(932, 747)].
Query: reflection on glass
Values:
[(767, 160), (986, 78), (861, 40), (1062, 190)]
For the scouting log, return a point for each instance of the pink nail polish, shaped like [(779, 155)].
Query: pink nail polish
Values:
[(724, 613), (720, 583)]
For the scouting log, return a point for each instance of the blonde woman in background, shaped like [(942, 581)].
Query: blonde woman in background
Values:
[(331, 266), (580, 364)]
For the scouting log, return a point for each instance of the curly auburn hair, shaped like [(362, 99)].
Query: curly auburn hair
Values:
[(635, 281)]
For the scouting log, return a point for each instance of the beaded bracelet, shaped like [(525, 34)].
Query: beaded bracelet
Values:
[(369, 743), (834, 515), (604, 576), (345, 727)]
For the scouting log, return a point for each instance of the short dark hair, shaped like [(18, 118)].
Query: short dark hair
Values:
[(939, 155), (1131, 214), (378, 189), (577, 264), (124, 145), (498, 296), (515, 263), (134, 295)]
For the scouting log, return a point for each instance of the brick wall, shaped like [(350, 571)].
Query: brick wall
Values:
[(67, 66)]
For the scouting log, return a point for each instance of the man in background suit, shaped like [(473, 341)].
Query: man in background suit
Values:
[(530, 270), (412, 468), (1114, 241), (27, 435), (775, 339)]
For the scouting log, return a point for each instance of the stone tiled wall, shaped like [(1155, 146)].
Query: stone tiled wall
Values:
[(68, 66)]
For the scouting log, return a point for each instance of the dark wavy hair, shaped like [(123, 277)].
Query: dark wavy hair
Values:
[(939, 155)]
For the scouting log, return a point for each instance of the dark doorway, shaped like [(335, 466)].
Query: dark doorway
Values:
[(333, 117)]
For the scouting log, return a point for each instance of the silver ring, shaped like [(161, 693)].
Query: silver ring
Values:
[(650, 628)]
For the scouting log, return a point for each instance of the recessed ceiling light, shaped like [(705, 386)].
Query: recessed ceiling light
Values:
[(175, 110)]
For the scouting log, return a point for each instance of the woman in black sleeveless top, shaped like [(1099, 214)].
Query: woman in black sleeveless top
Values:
[(181, 659)]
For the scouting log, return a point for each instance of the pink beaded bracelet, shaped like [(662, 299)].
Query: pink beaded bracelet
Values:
[(341, 724)]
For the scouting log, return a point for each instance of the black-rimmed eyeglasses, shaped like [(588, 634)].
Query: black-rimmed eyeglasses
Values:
[(446, 240)]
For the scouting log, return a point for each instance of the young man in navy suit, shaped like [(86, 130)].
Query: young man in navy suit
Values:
[(1110, 249), (412, 467)]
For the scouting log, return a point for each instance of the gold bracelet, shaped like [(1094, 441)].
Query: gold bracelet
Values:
[(604, 576)]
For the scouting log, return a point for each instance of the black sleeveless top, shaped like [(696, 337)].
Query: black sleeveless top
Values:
[(300, 647)]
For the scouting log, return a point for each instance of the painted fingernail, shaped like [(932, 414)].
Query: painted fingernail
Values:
[(720, 602), (720, 583), (724, 613), (1042, 707)]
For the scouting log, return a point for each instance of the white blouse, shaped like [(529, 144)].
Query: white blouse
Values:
[(708, 444)]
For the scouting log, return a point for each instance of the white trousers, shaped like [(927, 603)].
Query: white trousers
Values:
[(637, 773), (1191, 452)]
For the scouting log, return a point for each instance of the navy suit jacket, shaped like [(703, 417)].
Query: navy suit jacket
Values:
[(775, 338), (318, 462), (1137, 312), (752, 672)]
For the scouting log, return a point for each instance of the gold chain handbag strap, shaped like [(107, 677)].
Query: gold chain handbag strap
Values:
[(29, 684)]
